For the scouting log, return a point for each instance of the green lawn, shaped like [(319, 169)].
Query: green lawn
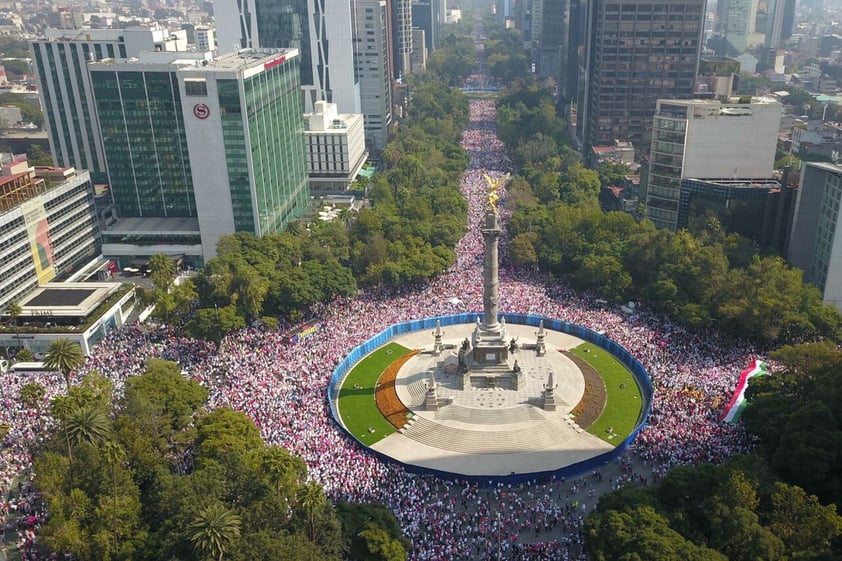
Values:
[(357, 407), (623, 403)]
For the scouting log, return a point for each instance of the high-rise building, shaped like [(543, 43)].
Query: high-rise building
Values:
[(374, 71), (322, 32), (424, 17), (815, 242), (47, 231), (60, 60), (736, 21), (636, 53), (779, 25), (205, 39), (419, 51), (550, 34), (401, 36), (707, 139), (199, 147)]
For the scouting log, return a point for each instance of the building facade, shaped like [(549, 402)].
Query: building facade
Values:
[(815, 242), (550, 36), (323, 34), (205, 39), (219, 141), (707, 139), (636, 53), (336, 149), (374, 71), (401, 36), (46, 231), (736, 20), (60, 60)]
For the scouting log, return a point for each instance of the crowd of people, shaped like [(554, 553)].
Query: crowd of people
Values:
[(282, 387)]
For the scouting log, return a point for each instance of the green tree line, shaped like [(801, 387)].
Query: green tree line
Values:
[(779, 503), (417, 213), (712, 279), (156, 475)]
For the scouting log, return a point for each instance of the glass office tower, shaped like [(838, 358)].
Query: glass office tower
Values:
[(221, 140)]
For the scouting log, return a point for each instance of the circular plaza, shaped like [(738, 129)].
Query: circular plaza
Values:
[(563, 400)]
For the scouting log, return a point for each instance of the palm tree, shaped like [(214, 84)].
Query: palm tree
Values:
[(214, 530), (13, 310), (63, 355), (161, 269), (87, 423), (312, 498), (114, 454)]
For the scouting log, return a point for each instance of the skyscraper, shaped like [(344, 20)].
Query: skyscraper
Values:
[(402, 36), (322, 32), (219, 141), (735, 24), (779, 24), (707, 139), (550, 35), (636, 53), (60, 61), (424, 16), (374, 71), (815, 242)]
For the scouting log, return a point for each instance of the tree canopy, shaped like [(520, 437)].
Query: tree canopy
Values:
[(157, 476), (737, 511)]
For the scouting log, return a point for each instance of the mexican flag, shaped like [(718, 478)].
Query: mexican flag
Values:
[(738, 400)]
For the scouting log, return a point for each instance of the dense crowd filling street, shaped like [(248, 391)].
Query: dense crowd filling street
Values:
[(283, 387)]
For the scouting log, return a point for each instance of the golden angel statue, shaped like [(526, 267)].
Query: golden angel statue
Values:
[(493, 186)]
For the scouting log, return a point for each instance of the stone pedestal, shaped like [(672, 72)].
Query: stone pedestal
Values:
[(548, 395), (438, 346), (540, 344)]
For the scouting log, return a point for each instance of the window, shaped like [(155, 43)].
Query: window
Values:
[(196, 88)]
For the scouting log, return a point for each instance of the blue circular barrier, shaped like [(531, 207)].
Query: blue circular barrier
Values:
[(589, 335)]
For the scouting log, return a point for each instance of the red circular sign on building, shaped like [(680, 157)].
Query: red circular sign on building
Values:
[(201, 111)]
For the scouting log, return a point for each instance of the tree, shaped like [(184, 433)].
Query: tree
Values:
[(213, 531), (64, 355), (14, 310), (37, 156), (805, 526), (88, 423), (312, 498), (224, 433), (114, 454), (213, 324), (162, 393), (638, 534), (32, 394), (161, 270), (381, 546)]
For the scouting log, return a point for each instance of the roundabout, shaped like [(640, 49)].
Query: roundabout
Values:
[(402, 396)]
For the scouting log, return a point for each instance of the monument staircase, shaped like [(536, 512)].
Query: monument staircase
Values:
[(552, 434), (474, 416)]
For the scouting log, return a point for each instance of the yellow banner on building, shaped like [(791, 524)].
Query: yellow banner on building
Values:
[(38, 231)]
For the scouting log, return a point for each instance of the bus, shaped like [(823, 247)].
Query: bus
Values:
[(29, 367)]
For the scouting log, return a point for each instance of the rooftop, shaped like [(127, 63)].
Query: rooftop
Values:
[(154, 225)]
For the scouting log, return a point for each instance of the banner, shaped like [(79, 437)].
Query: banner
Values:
[(38, 231), (306, 330), (738, 401)]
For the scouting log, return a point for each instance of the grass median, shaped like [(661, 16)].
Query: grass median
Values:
[(357, 406), (623, 400)]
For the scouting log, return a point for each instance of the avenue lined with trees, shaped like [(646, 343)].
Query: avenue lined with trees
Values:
[(150, 472)]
